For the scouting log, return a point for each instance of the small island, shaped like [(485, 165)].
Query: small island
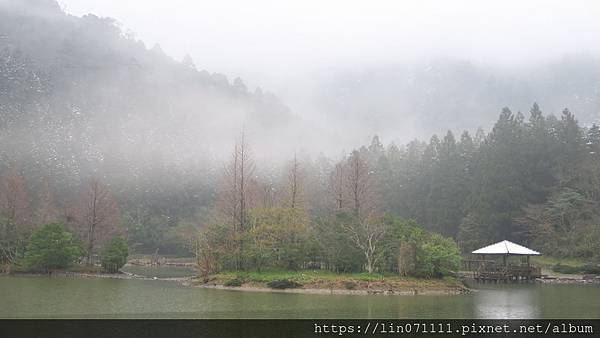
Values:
[(324, 282)]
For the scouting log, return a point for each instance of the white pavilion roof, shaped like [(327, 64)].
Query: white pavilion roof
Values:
[(505, 248)]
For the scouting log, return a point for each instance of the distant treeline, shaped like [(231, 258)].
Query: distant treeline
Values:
[(535, 181)]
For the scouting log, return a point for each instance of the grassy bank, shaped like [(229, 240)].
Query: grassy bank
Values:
[(567, 266), (327, 280), (75, 268), (549, 262)]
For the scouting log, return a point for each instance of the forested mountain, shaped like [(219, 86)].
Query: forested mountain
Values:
[(88, 113), (80, 98)]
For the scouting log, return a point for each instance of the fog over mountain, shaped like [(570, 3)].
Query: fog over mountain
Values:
[(92, 81), (398, 69), (251, 128), (415, 101), (80, 98)]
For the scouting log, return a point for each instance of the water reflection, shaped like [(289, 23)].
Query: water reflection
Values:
[(507, 301), (44, 297)]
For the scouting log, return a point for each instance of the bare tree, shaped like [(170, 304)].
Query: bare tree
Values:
[(337, 186), (246, 170), (266, 193), (360, 186), (234, 198), (237, 183), (97, 215), (46, 210), (367, 235), (366, 229), (228, 202), (317, 188), (204, 252), (14, 209), (294, 185)]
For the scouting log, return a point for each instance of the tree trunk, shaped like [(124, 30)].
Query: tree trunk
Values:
[(369, 262)]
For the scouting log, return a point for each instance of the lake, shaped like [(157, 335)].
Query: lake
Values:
[(67, 297)]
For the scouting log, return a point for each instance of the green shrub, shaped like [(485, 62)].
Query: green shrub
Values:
[(283, 284), (571, 270), (438, 256), (566, 269), (115, 255), (590, 269), (51, 247), (235, 282)]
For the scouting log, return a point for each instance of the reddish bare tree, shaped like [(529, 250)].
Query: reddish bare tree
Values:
[(228, 203), (46, 209), (366, 229), (14, 215), (294, 188), (235, 196), (96, 215), (237, 185), (360, 186)]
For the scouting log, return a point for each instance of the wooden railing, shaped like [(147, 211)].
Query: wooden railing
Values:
[(491, 270)]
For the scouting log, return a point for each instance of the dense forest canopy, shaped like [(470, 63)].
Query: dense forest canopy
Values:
[(89, 113)]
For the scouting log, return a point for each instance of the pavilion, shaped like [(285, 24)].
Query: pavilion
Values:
[(489, 270)]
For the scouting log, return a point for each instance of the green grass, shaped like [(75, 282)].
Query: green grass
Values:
[(549, 262), (85, 268), (303, 276), (328, 279), (566, 266), (78, 268)]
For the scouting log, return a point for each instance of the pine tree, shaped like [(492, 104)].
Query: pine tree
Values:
[(571, 146), (593, 139)]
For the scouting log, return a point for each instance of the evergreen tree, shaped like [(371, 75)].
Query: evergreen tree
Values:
[(115, 255), (539, 154), (51, 247), (593, 139), (571, 147), (498, 194)]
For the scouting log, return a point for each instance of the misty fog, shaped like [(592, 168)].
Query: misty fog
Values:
[(381, 62), (152, 97)]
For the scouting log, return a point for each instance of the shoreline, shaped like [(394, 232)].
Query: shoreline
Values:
[(193, 282), (325, 282), (85, 275), (336, 291)]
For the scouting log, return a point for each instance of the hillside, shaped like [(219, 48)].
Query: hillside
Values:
[(102, 103)]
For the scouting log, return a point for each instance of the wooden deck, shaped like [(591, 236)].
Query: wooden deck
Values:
[(489, 271)]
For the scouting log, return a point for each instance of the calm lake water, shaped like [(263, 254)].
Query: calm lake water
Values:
[(63, 297)]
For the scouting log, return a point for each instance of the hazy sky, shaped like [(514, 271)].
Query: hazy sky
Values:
[(269, 42)]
